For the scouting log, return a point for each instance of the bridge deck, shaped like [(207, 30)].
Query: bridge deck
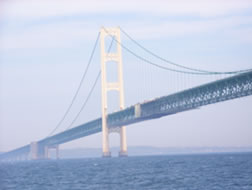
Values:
[(230, 88)]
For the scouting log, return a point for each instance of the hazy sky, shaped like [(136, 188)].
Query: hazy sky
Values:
[(45, 46)]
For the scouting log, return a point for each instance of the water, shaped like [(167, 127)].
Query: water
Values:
[(182, 172)]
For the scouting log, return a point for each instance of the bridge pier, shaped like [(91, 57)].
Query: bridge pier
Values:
[(105, 137), (46, 152), (34, 150), (48, 148), (123, 144), (38, 152), (57, 152)]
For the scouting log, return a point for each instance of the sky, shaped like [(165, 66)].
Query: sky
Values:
[(45, 47)]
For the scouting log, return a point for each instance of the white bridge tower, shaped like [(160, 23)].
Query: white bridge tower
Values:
[(106, 57)]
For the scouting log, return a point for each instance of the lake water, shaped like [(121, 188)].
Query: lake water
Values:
[(182, 172)]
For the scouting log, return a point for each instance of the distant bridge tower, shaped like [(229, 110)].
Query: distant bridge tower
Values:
[(107, 56)]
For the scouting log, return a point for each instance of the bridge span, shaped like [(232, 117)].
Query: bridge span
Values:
[(222, 90)]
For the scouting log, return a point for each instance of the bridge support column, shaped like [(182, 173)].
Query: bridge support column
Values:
[(105, 138), (34, 150), (123, 146), (47, 151), (108, 86), (46, 156), (57, 151)]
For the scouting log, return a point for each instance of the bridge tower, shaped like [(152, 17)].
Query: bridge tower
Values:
[(107, 56)]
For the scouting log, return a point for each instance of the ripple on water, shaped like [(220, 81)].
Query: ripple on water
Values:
[(213, 171)]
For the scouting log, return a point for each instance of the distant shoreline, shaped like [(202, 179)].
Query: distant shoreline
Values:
[(149, 151), (138, 151)]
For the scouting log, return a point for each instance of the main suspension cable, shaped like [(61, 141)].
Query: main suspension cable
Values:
[(152, 63), (78, 89), (84, 105), (178, 65)]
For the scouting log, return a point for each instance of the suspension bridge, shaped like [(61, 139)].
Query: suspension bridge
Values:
[(231, 85)]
